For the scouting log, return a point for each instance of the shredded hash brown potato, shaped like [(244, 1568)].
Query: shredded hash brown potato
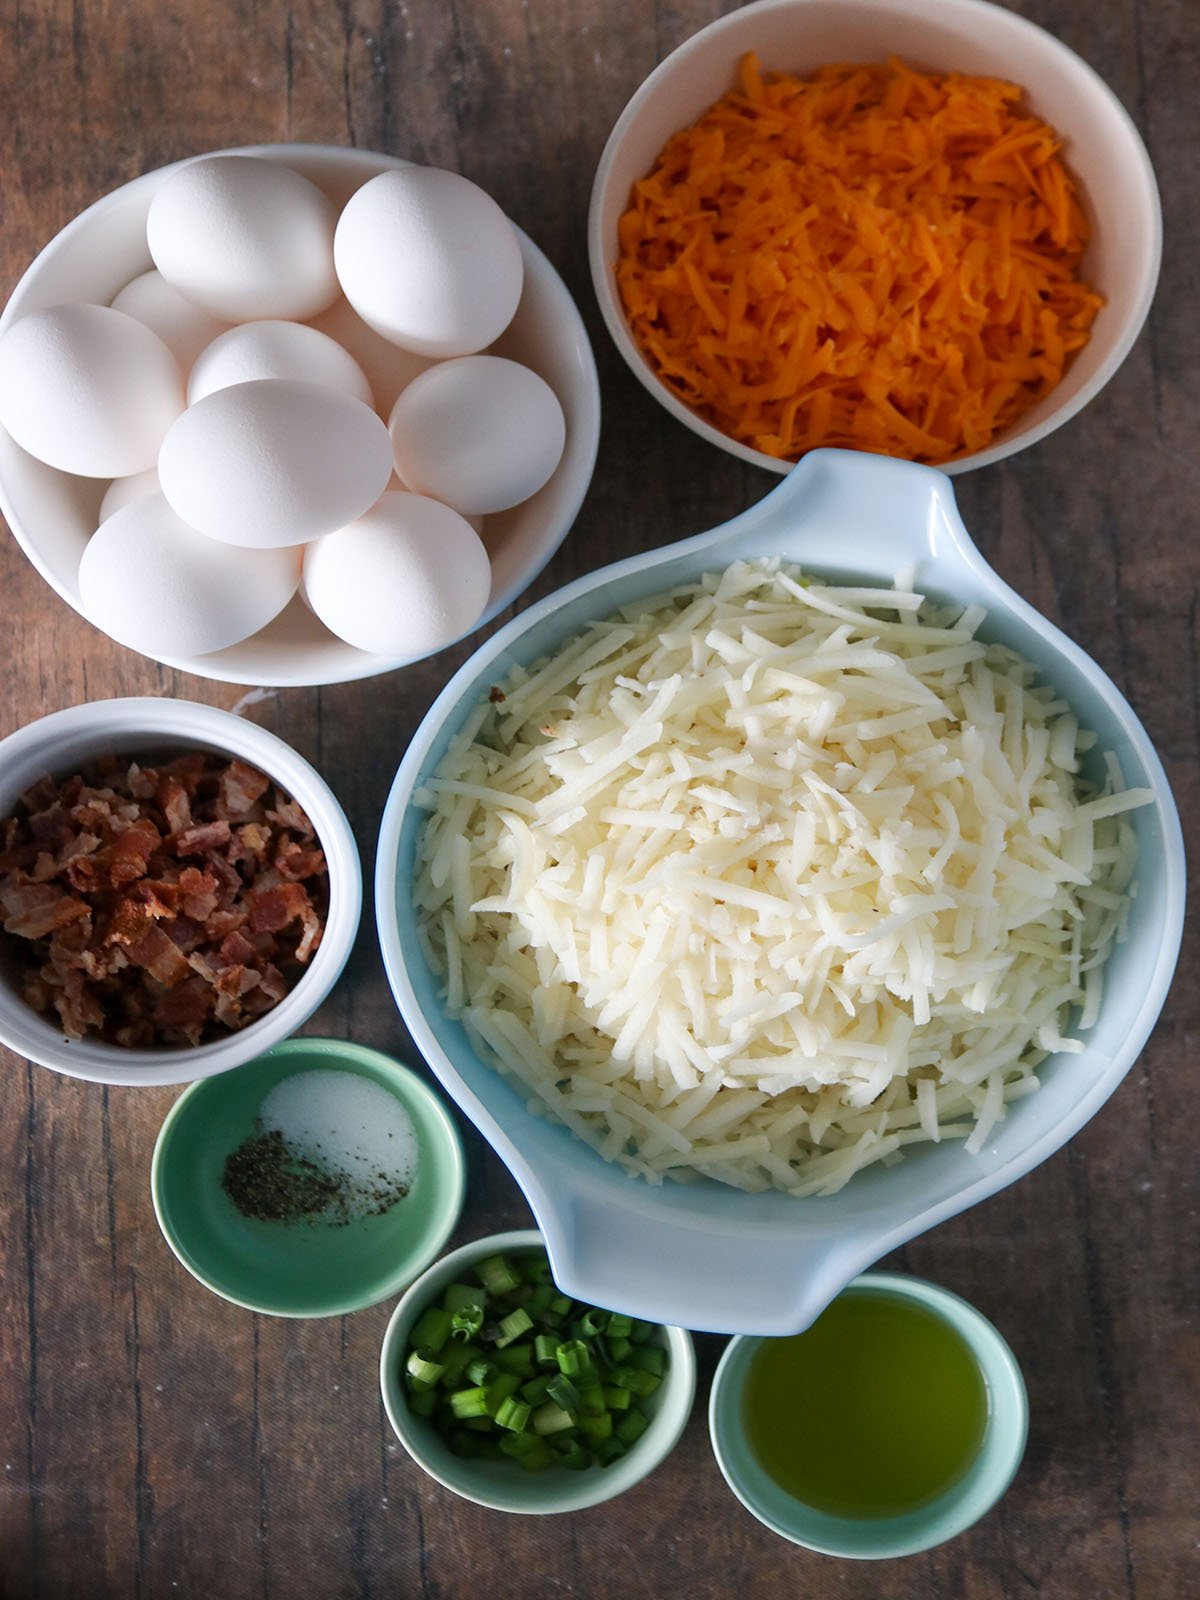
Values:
[(764, 880)]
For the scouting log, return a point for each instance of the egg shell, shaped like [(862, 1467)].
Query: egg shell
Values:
[(406, 579), (429, 261), (481, 433), (88, 390), (274, 462), (244, 238), (154, 584), (256, 350), (124, 491), (388, 368), (184, 328), (397, 482)]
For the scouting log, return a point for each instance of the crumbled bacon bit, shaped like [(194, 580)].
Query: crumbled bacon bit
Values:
[(161, 903)]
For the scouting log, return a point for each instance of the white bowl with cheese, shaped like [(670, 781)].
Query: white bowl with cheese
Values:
[(702, 1254), (53, 514)]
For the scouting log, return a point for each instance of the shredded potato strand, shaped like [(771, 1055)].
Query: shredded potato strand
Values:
[(874, 257)]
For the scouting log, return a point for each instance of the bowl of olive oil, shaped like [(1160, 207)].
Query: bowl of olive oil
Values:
[(892, 1424)]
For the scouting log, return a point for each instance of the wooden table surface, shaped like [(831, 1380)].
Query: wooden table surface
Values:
[(156, 1442)]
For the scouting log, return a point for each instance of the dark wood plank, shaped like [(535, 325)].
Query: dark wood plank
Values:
[(156, 1442)]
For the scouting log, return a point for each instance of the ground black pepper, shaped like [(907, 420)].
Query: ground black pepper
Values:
[(267, 1180)]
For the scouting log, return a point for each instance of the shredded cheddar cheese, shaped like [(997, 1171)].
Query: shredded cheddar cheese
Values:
[(875, 257)]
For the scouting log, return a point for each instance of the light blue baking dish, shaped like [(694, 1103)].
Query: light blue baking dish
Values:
[(703, 1255)]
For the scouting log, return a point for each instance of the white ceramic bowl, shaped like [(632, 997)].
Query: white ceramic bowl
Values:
[(66, 740), (1101, 146), (702, 1254), (53, 514), (502, 1485)]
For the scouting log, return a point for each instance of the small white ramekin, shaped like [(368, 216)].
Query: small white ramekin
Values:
[(60, 745)]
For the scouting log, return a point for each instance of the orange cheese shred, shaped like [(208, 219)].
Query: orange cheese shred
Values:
[(874, 257)]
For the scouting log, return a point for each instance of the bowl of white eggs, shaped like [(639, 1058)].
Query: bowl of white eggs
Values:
[(292, 414)]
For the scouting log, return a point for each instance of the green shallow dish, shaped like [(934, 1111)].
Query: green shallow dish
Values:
[(300, 1269), (881, 1538)]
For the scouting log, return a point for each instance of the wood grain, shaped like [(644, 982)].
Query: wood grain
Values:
[(156, 1442)]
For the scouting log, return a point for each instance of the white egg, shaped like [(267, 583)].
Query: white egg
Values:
[(244, 238), (184, 328), (481, 433), (276, 350), (397, 482), (155, 585), (124, 491), (429, 260), (408, 578), (274, 462), (388, 368), (88, 389)]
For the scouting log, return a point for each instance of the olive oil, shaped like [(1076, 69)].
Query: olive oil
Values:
[(876, 1410)]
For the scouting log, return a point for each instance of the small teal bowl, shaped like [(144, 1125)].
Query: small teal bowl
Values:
[(880, 1538), (301, 1269), (502, 1485)]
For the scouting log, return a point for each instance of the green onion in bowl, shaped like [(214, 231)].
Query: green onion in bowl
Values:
[(504, 1366), (520, 1397)]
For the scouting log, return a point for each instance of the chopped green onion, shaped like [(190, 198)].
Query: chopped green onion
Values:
[(591, 1401), (650, 1358), (535, 1269), (467, 1322), (421, 1367), (631, 1427), (618, 1349), (514, 1415), (478, 1424), (574, 1358), (499, 1390), (606, 1451), (640, 1331), (538, 1389), (560, 1305), (456, 1358), (619, 1326), (600, 1427), (481, 1371), (563, 1392), (431, 1329), (422, 1402), (539, 1300), (569, 1453), (615, 1398), (644, 1384), (469, 1403), (537, 1460), (515, 1358), (513, 1326), (518, 1445), (497, 1276), (550, 1418), (459, 1295), (545, 1348)]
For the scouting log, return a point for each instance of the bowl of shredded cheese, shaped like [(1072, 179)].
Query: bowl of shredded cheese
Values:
[(768, 898), (931, 232)]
